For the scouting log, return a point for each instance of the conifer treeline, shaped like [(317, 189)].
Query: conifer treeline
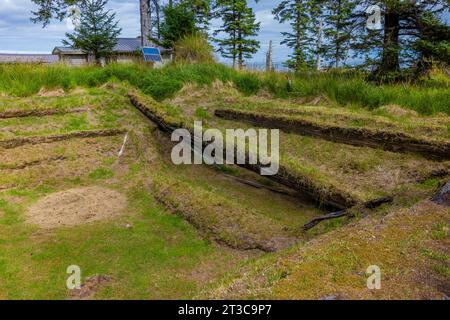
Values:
[(323, 33)]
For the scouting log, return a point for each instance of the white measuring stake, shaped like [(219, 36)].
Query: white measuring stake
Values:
[(122, 150)]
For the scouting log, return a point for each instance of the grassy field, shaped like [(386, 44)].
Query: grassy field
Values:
[(348, 89), (159, 255), (140, 227)]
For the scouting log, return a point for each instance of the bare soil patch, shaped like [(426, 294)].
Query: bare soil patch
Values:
[(76, 206), (90, 286)]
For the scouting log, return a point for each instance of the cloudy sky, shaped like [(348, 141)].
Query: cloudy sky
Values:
[(18, 34)]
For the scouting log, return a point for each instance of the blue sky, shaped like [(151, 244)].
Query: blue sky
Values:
[(19, 34)]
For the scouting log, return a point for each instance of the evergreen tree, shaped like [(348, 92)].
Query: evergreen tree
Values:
[(179, 21), (202, 12), (240, 27), (413, 31), (432, 44), (298, 14), (339, 28), (59, 9), (97, 33)]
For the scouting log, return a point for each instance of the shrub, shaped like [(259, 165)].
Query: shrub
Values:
[(247, 83)]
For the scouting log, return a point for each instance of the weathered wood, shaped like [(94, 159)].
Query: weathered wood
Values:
[(258, 185), (334, 215), (31, 163), (362, 137), (442, 197), (18, 142), (37, 113)]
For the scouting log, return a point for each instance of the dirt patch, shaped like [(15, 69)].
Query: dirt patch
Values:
[(90, 287), (51, 93), (75, 207)]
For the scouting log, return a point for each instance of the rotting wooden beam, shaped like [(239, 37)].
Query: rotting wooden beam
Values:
[(31, 163), (18, 142), (361, 137), (334, 215), (38, 113)]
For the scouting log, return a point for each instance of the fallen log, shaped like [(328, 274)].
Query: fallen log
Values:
[(347, 212), (38, 113), (361, 137), (334, 215), (18, 142), (258, 185), (31, 163)]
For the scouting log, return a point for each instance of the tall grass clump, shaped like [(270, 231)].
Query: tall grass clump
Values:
[(27, 79), (194, 48)]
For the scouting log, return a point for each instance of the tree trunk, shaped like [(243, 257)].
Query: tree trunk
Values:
[(145, 23), (269, 60), (319, 45), (234, 49), (338, 35), (390, 61), (240, 50)]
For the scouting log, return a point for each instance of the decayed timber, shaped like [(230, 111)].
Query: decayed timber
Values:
[(37, 113), (18, 142), (334, 215), (362, 137)]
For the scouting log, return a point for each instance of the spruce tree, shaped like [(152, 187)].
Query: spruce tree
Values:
[(413, 32), (97, 33), (339, 29), (179, 21), (300, 39), (240, 27), (59, 9)]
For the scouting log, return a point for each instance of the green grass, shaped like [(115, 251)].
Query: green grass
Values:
[(161, 255), (134, 257), (342, 89), (101, 173)]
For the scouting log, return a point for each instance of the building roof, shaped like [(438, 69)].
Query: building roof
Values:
[(66, 50), (128, 45), (28, 58), (124, 45)]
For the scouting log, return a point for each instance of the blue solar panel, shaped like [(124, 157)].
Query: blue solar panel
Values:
[(152, 54), (152, 58), (148, 51)]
